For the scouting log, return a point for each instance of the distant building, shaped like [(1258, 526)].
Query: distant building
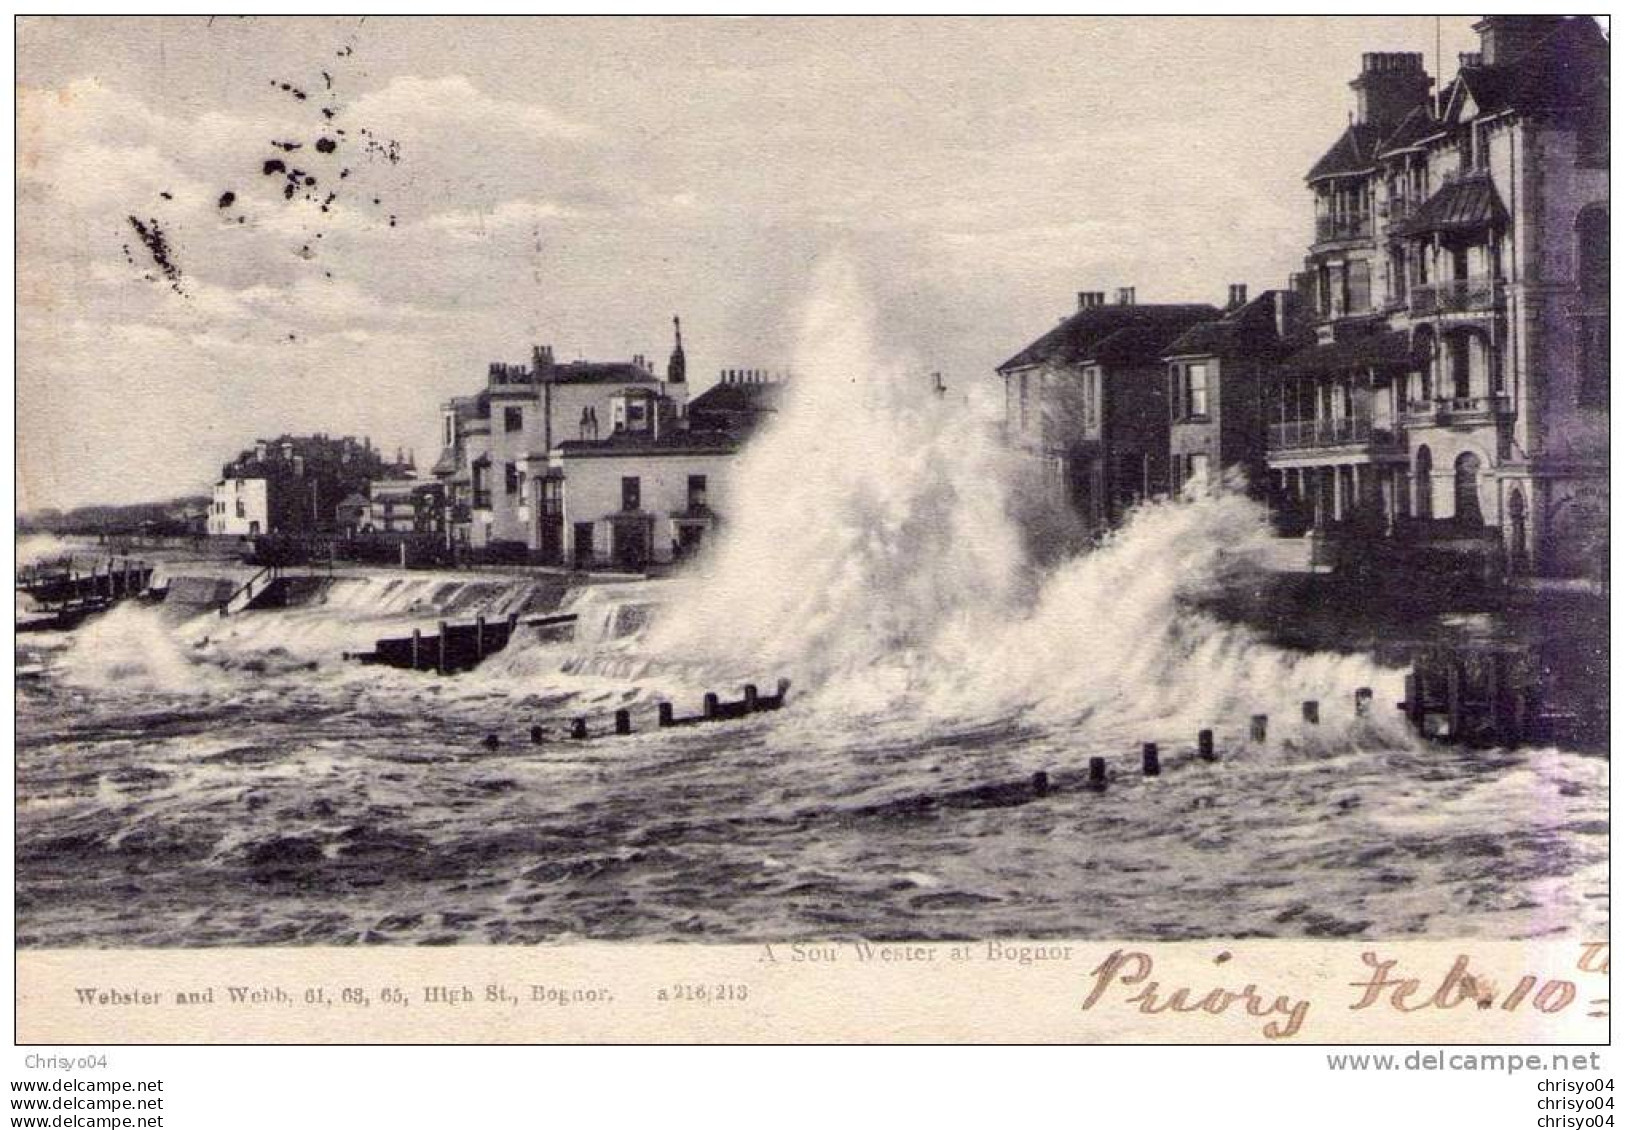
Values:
[(496, 442), (293, 485), (1089, 401), (1458, 387)]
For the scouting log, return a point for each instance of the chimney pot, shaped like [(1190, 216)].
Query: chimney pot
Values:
[(1125, 296)]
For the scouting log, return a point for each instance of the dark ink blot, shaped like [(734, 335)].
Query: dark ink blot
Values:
[(273, 166), (157, 244), (326, 145), (288, 146), (166, 196), (227, 199)]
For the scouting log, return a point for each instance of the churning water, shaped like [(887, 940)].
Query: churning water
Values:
[(191, 780)]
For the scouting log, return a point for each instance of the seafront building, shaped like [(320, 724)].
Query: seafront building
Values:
[(1437, 376), (594, 464), (1088, 401), (294, 485), (1457, 390)]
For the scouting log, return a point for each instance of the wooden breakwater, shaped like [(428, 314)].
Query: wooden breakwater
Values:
[(66, 595), (713, 708), (453, 648), (1497, 696)]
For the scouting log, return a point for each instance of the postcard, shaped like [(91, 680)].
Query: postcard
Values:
[(887, 530)]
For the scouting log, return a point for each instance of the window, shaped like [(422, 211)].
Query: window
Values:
[(513, 418), (631, 493), (1022, 400), (1193, 390), (242, 510), (696, 492), (448, 431), (1591, 255), (510, 474)]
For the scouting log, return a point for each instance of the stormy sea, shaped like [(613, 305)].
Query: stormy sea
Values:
[(188, 779)]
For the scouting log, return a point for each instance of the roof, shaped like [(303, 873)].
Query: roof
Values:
[(1354, 152), (1416, 125), (1466, 203), (1387, 348), (1567, 67), (1238, 328), (739, 396), (672, 443), (598, 372), (1113, 333)]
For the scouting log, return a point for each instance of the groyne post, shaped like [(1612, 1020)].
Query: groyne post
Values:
[(1097, 773), (1041, 783), (1453, 680), (623, 721), (536, 735), (1260, 730), (1413, 700), (710, 704), (665, 713), (578, 729), (1150, 765), (417, 649), (750, 698), (479, 638), (445, 642), (1311, 711), (1362, 701), (1204, 745)]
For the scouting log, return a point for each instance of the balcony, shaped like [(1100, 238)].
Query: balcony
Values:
[(1328, 431), (1456, 296), (1397, 210), (1456, 411), (1331, 228)]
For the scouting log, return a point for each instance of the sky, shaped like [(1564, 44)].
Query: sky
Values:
[(462, 190)]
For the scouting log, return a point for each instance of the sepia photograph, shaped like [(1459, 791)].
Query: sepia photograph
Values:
[(965, 499)]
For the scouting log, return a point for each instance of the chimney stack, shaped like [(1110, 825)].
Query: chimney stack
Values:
[(1090, 299), (1390, 85), (1238, 296), (1125, 296)]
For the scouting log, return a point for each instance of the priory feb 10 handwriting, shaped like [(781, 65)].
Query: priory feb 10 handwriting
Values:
[(1383, 985)]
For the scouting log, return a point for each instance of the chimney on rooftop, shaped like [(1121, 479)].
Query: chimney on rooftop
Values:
[(1089, 299), (1125, 296), (1502, 39), (1390, 85), (1238, 296)]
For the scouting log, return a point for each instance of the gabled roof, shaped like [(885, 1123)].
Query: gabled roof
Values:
[(1566, 69), (1245, 327), (1113, 333), (1419, 123), (1354, 152), (1385, 349), (1467, 203)]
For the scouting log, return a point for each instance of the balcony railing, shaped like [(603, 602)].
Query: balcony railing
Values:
[(1397, 209), (1327, 431), (1342, 227), (1448, 410), (1456, 295)]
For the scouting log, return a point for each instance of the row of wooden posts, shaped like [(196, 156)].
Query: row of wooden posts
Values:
[(713, 709), (59, 583)]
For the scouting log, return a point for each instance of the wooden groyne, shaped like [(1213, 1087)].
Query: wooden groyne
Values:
[(713, 709), (66, 595), (1484, 696), (453, 648)]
